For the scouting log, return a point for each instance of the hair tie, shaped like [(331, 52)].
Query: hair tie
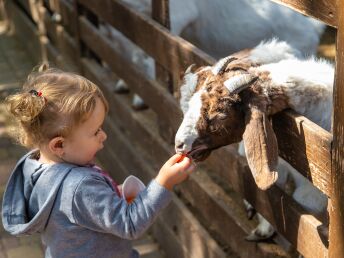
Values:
[(37, 94)]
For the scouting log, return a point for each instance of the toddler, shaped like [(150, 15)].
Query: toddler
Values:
[(56, 189)]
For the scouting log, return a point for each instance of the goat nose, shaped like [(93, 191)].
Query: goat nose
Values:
[(179, 146)]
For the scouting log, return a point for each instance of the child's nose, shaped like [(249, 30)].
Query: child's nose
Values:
[(103, 136)]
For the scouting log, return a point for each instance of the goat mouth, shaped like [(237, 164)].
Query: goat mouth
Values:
[(199, 153)]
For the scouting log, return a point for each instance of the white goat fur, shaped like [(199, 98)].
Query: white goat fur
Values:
[(222, 27), (308, 84)]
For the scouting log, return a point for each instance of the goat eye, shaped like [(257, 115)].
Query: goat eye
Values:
[(213, 128)]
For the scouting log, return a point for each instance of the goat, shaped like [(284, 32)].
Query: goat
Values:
[(222, 27), (233, 100)]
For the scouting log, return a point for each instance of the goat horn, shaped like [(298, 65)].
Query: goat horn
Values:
[(188, 70), (238, 83), (221, 65)]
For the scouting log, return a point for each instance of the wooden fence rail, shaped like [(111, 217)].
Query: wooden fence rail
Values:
[(214, 209)]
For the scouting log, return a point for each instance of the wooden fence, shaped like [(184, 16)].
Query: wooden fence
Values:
[(206, 217)]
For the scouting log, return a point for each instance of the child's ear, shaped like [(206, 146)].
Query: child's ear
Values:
[(56, 146)]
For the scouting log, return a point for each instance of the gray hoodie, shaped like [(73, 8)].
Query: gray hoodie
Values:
[(76, 210)]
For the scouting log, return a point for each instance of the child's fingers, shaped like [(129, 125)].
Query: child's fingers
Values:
[(187, 166), (185, 162), (174, 159)]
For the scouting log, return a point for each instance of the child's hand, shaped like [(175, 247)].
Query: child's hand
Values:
[(174, 171)]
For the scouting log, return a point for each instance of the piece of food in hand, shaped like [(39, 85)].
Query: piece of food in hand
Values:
[(181, 158)]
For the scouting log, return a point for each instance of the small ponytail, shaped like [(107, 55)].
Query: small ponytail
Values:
[(25, 106)]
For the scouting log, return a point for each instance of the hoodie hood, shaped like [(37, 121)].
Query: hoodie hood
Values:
[(30, 195)]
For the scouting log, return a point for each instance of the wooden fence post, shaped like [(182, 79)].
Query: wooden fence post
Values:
[(336, 207), (161, 14), (80, 47)]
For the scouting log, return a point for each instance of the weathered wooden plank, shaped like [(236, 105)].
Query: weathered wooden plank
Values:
[(336, 206), (26, 31), (51, 27), (30, 7), (161, 14), (70, 48), (68, 17), (153, 94), (214, 206), (313, 155), (245, 185), (57, 59), (170, 51), (186, 228), (168, 239), (24, 4), (61, 40), (323, 10), (51, 5)]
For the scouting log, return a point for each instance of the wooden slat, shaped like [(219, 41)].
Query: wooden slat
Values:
[(293, 216), (26, 31), (50, 26), (161, 14), (170, 51), (57, 59), (167, 238), (313, 155), (30, 8), (69, 48), (153, 94), (324, 10), (61, 40), (336, 206), (68, 17), (187, 230), (50, 5), (24, 4)]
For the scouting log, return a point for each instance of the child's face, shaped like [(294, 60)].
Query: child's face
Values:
[(87, 139)]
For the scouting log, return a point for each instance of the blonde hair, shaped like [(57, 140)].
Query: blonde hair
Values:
[(64, 100)]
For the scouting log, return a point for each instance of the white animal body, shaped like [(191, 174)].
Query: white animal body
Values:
[(221, 27), (306, 84)]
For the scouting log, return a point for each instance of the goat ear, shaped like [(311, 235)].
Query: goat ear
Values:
[(261, 148)]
